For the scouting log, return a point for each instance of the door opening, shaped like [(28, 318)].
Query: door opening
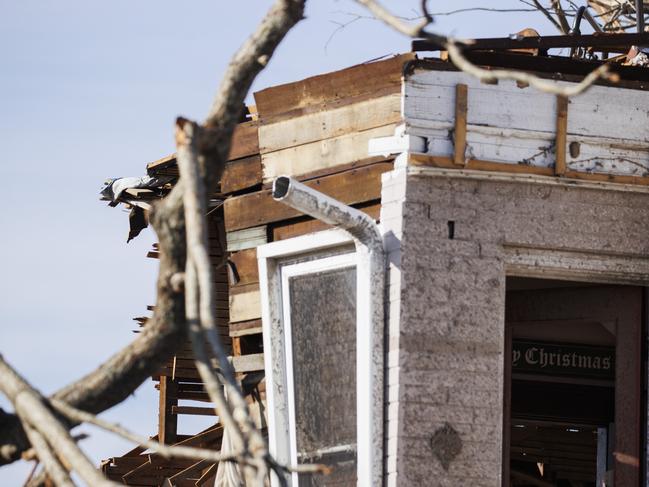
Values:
[(572, 384)]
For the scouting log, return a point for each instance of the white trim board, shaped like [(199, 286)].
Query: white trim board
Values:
[(278, 261)]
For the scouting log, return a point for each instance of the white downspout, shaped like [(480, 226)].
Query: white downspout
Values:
[(370, 321)]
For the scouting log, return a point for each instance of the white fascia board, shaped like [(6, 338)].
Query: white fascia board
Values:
[(398, 143), (304, 244)]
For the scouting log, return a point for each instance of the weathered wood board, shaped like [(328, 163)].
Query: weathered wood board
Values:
[(327, 124), (241, 174), (245, 303), (291, 229), (245, 262), (328, 153), (331, 89), (245, 141), (247, 238), (243, 328), (510, 124), (351, 187)]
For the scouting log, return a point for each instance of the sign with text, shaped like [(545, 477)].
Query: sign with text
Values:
[(563, 359)]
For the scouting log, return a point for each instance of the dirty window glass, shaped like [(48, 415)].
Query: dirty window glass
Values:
[(323, 325)]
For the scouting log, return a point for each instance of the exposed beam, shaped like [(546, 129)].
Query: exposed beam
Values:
[(611, 42)]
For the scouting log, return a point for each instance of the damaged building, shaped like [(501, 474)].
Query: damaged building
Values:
[(431, 280)]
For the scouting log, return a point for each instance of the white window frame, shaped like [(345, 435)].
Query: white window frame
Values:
[(278, 262)]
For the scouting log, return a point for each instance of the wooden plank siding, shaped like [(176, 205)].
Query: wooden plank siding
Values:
[(351, 187), (607, 131), (327, 153), (245, 141), (245, 303), (244, 144), (326, 91), (241, 174), (328, 124), (245, 262), (304, 225)]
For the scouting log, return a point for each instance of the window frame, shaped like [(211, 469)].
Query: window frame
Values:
[(278, 262)]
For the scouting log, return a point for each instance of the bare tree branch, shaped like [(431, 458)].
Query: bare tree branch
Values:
[(483, 9), (561, 15), (116, 379), (198, 285), (602, 72), (32, 472), (251, 58), (53, 467), (455, 53), (547, 14), (31, 409), (161, 449), (416, 30)]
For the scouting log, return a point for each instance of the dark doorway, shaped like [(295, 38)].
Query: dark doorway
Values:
[(572, 384)]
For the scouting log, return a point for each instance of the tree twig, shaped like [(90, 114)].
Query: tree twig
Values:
[(547, 14), (561, 15)]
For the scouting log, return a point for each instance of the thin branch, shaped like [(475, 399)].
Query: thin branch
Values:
[(547, 15), (39, 480), (561, 15), (29, 405), (52, 465), (427, 17), (602, 72), (166, 451), (355, 17), (416, 30), (252, 57), (161, 449), (199, 298), (341, 26), (483, 9), (117, 378), (32, 472), (200, 306), (462, 63)]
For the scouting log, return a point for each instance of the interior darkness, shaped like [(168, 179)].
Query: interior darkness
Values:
[(559, 399)]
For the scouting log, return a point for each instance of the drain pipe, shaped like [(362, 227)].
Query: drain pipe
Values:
[(370, 289)]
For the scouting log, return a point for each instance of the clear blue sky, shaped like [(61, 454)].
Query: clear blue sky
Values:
[(90, 90)]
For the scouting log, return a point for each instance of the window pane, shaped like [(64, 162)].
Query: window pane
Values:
[(323, 324)]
